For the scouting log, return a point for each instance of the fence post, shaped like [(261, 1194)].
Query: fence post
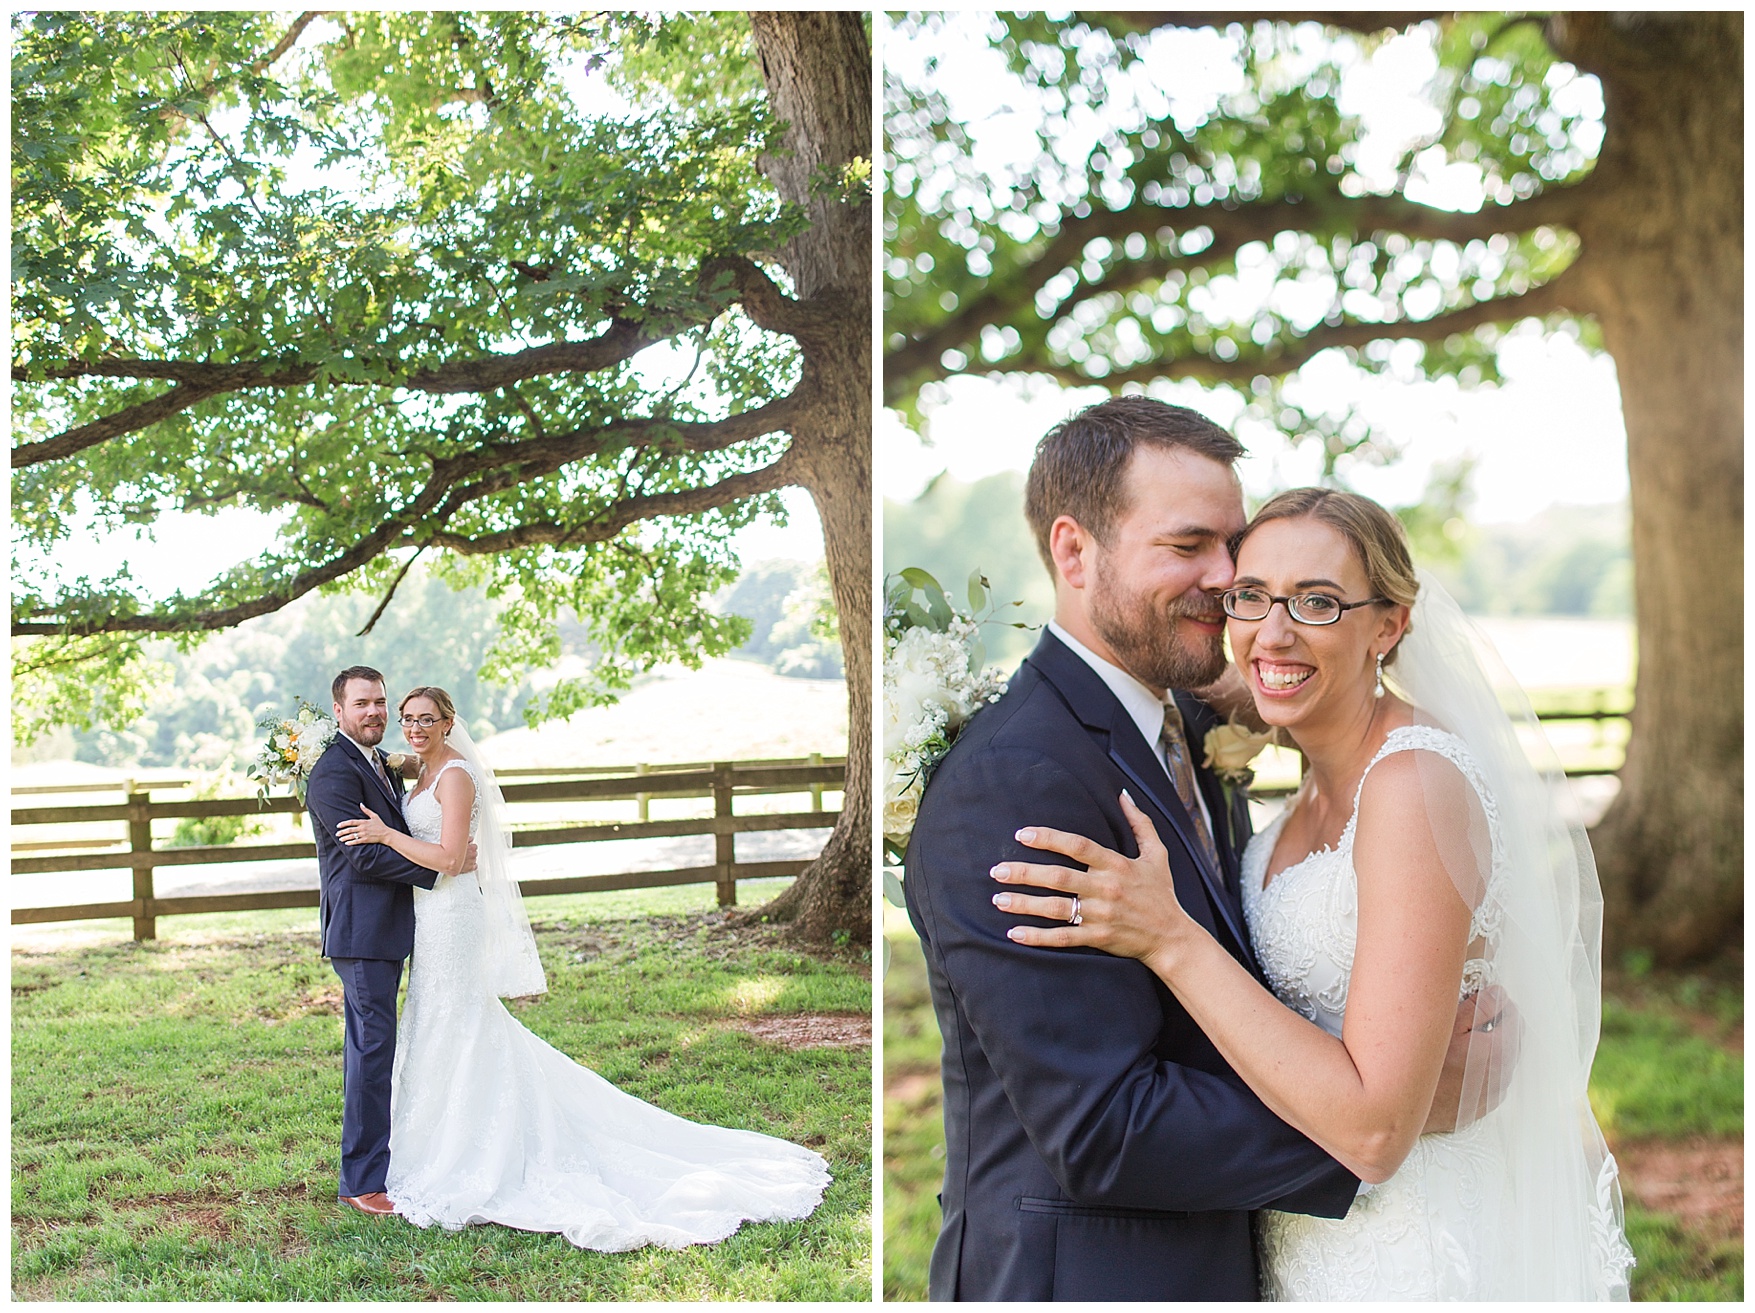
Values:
[(140, 854), (643, 800), (816, 789), (724, 851)]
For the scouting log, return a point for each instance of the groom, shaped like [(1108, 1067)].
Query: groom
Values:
[(1097, 1145), (367, 920)]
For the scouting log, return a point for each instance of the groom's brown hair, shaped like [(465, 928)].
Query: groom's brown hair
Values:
[(1081, 464), (338, 688)]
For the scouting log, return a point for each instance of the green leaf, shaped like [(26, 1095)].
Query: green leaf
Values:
[(978, 590)]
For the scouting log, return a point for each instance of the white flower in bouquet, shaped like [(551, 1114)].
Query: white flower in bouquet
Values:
[(293, 745), (934, 681)]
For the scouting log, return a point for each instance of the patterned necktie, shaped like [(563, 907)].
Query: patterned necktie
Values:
[(383, 774), (1175, 743)]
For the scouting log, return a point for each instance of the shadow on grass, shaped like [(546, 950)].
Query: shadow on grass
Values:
[(177, 1105)]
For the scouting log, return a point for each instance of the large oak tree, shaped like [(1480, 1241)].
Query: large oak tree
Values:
[(1100, 262), (392, 278)]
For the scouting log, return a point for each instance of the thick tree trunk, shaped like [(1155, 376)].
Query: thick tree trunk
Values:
[(1663, 265), (817, 67)]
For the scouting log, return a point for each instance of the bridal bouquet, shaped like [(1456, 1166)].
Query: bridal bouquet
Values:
[(934, 680), (293, 746)]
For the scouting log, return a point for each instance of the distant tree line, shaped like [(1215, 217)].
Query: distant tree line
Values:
[(208, 701), (1568, 560)]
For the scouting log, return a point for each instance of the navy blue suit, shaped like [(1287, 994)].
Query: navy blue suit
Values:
[(1097, 1145), (367, 924)]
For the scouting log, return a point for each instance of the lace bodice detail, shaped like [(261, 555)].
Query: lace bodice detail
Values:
[(423, 812), (1409, 1237), (1304, 923)]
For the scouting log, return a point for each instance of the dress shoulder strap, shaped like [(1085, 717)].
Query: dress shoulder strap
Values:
[(1429, 738), (445, 766)]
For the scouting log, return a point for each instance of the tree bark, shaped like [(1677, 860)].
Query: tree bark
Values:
[(817, 67), (1663, 263)]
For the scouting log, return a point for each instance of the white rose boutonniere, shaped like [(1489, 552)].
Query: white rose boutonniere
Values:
[(1229, 750)]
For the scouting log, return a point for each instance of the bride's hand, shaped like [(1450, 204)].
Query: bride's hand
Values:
[(1126, 906), (370, 830)]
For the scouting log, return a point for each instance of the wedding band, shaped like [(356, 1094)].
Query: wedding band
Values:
[(1075, 918)]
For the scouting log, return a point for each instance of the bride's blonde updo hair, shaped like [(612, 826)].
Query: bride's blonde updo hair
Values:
[(1376, 535), (434, 694)]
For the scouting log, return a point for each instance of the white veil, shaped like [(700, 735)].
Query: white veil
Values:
[(1556, 1230), (513, 967)]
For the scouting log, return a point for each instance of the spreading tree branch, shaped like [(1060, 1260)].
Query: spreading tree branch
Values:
[(766, 305), (618, 516), (762, 300), (130, 419), (279, 48), (1559, 294), (460, 480), (619, 342), (1233, 225), (391, 591)]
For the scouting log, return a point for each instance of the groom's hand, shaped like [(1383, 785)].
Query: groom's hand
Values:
[(469, 859), (1478, 1064)]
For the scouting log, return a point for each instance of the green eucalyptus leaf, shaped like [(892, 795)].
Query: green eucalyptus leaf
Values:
[(978, 589)]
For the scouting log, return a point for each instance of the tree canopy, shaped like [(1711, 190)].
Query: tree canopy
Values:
[(1231, 225), (385, 276), (1123, 199)]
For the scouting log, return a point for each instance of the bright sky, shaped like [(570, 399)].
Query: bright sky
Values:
[(1553, 433)]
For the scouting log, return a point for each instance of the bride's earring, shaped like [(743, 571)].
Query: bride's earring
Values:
[(1378, 691)]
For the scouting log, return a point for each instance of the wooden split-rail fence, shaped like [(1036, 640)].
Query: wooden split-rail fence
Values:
[(723, 782)]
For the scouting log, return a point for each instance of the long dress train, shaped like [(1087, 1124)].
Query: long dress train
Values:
[(491, 1124)]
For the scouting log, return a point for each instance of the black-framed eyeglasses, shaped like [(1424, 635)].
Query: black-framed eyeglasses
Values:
[(425, 722), (1306, 608)]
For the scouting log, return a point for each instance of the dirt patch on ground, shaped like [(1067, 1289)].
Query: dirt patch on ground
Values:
[(912, 1088), (811, 1030), (1699, 1181), (325, 1000)]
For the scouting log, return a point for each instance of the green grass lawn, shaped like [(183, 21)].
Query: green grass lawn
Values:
[(177, 1109), (1669, 1068)]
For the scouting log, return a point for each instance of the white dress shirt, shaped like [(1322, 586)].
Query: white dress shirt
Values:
[(1144, 705)]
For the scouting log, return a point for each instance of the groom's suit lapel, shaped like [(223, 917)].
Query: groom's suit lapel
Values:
[(1107, 720), (373, 781), (1230, 815)]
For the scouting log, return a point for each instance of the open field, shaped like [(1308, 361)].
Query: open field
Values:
[(177, 1104)]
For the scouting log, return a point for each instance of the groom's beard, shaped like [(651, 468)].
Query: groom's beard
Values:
[(1143, 634)]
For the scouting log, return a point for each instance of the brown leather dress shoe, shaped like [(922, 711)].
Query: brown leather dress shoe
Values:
[(377, 1204)]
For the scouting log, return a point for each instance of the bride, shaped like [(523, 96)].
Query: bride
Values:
[(1421, 860), (490, 1124)]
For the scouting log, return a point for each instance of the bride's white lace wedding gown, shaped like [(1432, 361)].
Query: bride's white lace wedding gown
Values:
[(491, 1124), (1425, 1233)]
